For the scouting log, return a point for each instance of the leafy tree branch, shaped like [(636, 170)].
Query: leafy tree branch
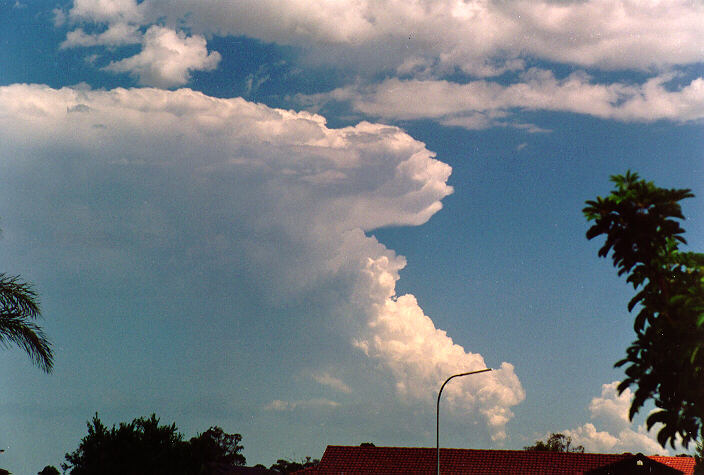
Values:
[(641, 223)]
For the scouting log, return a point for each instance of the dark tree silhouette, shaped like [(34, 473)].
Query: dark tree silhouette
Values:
[(215, 448), (699, 458), (290, 466), (666, 361), (556, 443), (145, 447), (49, 470), (18, 309)]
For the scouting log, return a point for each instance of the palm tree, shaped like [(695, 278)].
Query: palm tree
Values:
[(18, 307)]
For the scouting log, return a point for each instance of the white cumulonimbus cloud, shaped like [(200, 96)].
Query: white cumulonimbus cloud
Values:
[(421, 356), (618, 434), (275, 197)]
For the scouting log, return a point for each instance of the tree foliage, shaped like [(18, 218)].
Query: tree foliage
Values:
[(290, 466), (49, 470), (699, 458), (145, 447), (665, 363), (18, 310), (215, 448), (555, 443)]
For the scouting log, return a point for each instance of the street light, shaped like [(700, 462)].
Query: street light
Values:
[(437, 413)]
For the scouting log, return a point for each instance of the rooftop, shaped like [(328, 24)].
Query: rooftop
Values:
[(417, 460)]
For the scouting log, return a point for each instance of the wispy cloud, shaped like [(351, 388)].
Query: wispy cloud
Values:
[(482, 104), (331, 381), (117, 34), (278, 405)]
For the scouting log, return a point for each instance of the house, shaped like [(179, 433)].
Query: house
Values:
[(420, 460)]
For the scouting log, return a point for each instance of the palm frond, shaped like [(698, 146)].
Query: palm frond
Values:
[(18, 306), (14, 328), (18, 296)]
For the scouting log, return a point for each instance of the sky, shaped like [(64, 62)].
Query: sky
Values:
[(295, 219)]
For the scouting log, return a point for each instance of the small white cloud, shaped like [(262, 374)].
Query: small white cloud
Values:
[(521, 146), (91, 58), (610, 410), (59, 17), (167, 58), (333, 382), (277, 405)]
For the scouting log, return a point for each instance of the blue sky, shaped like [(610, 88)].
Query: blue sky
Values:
[(296, 220)]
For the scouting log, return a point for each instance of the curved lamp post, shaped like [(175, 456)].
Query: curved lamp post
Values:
[(437, 413)]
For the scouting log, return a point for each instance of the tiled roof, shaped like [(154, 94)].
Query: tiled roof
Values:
[(412, 460), (683, 464)]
